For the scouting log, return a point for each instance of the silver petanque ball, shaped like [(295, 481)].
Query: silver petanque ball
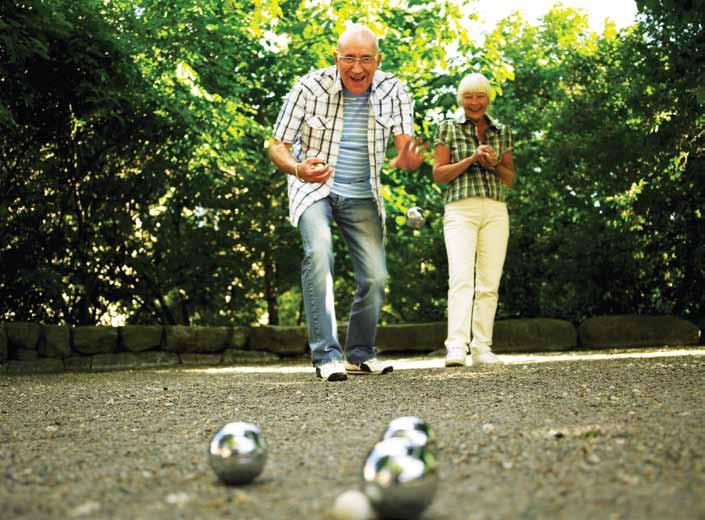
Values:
[(415, 217), (237, 452), (414, 428), (399, 478)]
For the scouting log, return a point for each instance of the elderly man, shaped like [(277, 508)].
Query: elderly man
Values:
[(330, 138)]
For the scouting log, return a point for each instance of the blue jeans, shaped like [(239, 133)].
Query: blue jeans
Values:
[(361, 227)]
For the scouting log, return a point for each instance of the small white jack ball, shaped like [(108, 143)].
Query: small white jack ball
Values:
[(319, 166), (352, 505)]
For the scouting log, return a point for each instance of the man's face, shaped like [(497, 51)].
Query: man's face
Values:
[(475, 105), (357, 60)]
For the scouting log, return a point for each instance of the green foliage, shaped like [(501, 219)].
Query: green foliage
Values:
[(216, 226), (600, 213), (78, 155), (679, 28), (134, 179)]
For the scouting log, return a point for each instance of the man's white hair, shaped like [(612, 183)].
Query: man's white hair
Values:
[(474, 82), (355, 29)]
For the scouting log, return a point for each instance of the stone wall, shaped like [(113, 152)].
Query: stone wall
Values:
[(30, 347)]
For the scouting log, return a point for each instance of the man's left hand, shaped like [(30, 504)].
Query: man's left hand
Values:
[(409, 154)]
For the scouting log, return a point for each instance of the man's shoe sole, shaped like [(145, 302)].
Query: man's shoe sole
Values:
[(336, 376), (450, 364), (365, 371)]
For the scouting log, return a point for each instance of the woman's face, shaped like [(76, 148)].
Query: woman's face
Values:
[(475, 105)]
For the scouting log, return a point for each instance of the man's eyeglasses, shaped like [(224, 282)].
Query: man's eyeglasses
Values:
[(365, 60)]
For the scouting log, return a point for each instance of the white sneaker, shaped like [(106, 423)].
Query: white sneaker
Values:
[(332, 371), (371, 366), (485, 357), (456, 357)]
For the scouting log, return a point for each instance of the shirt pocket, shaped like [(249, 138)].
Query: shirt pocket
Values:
[(319, 122), (385, 121), (383, 129), (318, 132)]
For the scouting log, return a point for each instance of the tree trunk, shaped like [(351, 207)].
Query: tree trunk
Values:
[(270, 290)]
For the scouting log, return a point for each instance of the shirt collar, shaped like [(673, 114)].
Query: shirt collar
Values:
[(460, 118)]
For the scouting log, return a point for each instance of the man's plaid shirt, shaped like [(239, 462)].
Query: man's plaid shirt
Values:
[(312, 121), (460, 135)]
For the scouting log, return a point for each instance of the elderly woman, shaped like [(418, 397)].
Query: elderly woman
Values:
[(473, 156)]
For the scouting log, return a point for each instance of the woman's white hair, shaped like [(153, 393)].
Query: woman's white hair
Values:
[(474, 82)]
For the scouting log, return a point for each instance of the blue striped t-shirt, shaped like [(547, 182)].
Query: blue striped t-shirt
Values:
[(352, 170)]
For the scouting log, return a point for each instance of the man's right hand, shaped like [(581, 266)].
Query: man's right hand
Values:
[(311, 170), (314, 170)]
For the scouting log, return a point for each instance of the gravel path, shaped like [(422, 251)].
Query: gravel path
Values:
[(543, 437)]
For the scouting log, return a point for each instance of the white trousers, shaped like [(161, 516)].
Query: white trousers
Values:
[(476, 232)]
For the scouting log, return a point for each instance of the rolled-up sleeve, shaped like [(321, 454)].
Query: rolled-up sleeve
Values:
[(442, 134), (291, 115)]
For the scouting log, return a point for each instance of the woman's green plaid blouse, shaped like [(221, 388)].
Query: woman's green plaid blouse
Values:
[(459, 134)]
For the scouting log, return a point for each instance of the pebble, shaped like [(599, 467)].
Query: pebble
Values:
[(87, 508), (178, 499)]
